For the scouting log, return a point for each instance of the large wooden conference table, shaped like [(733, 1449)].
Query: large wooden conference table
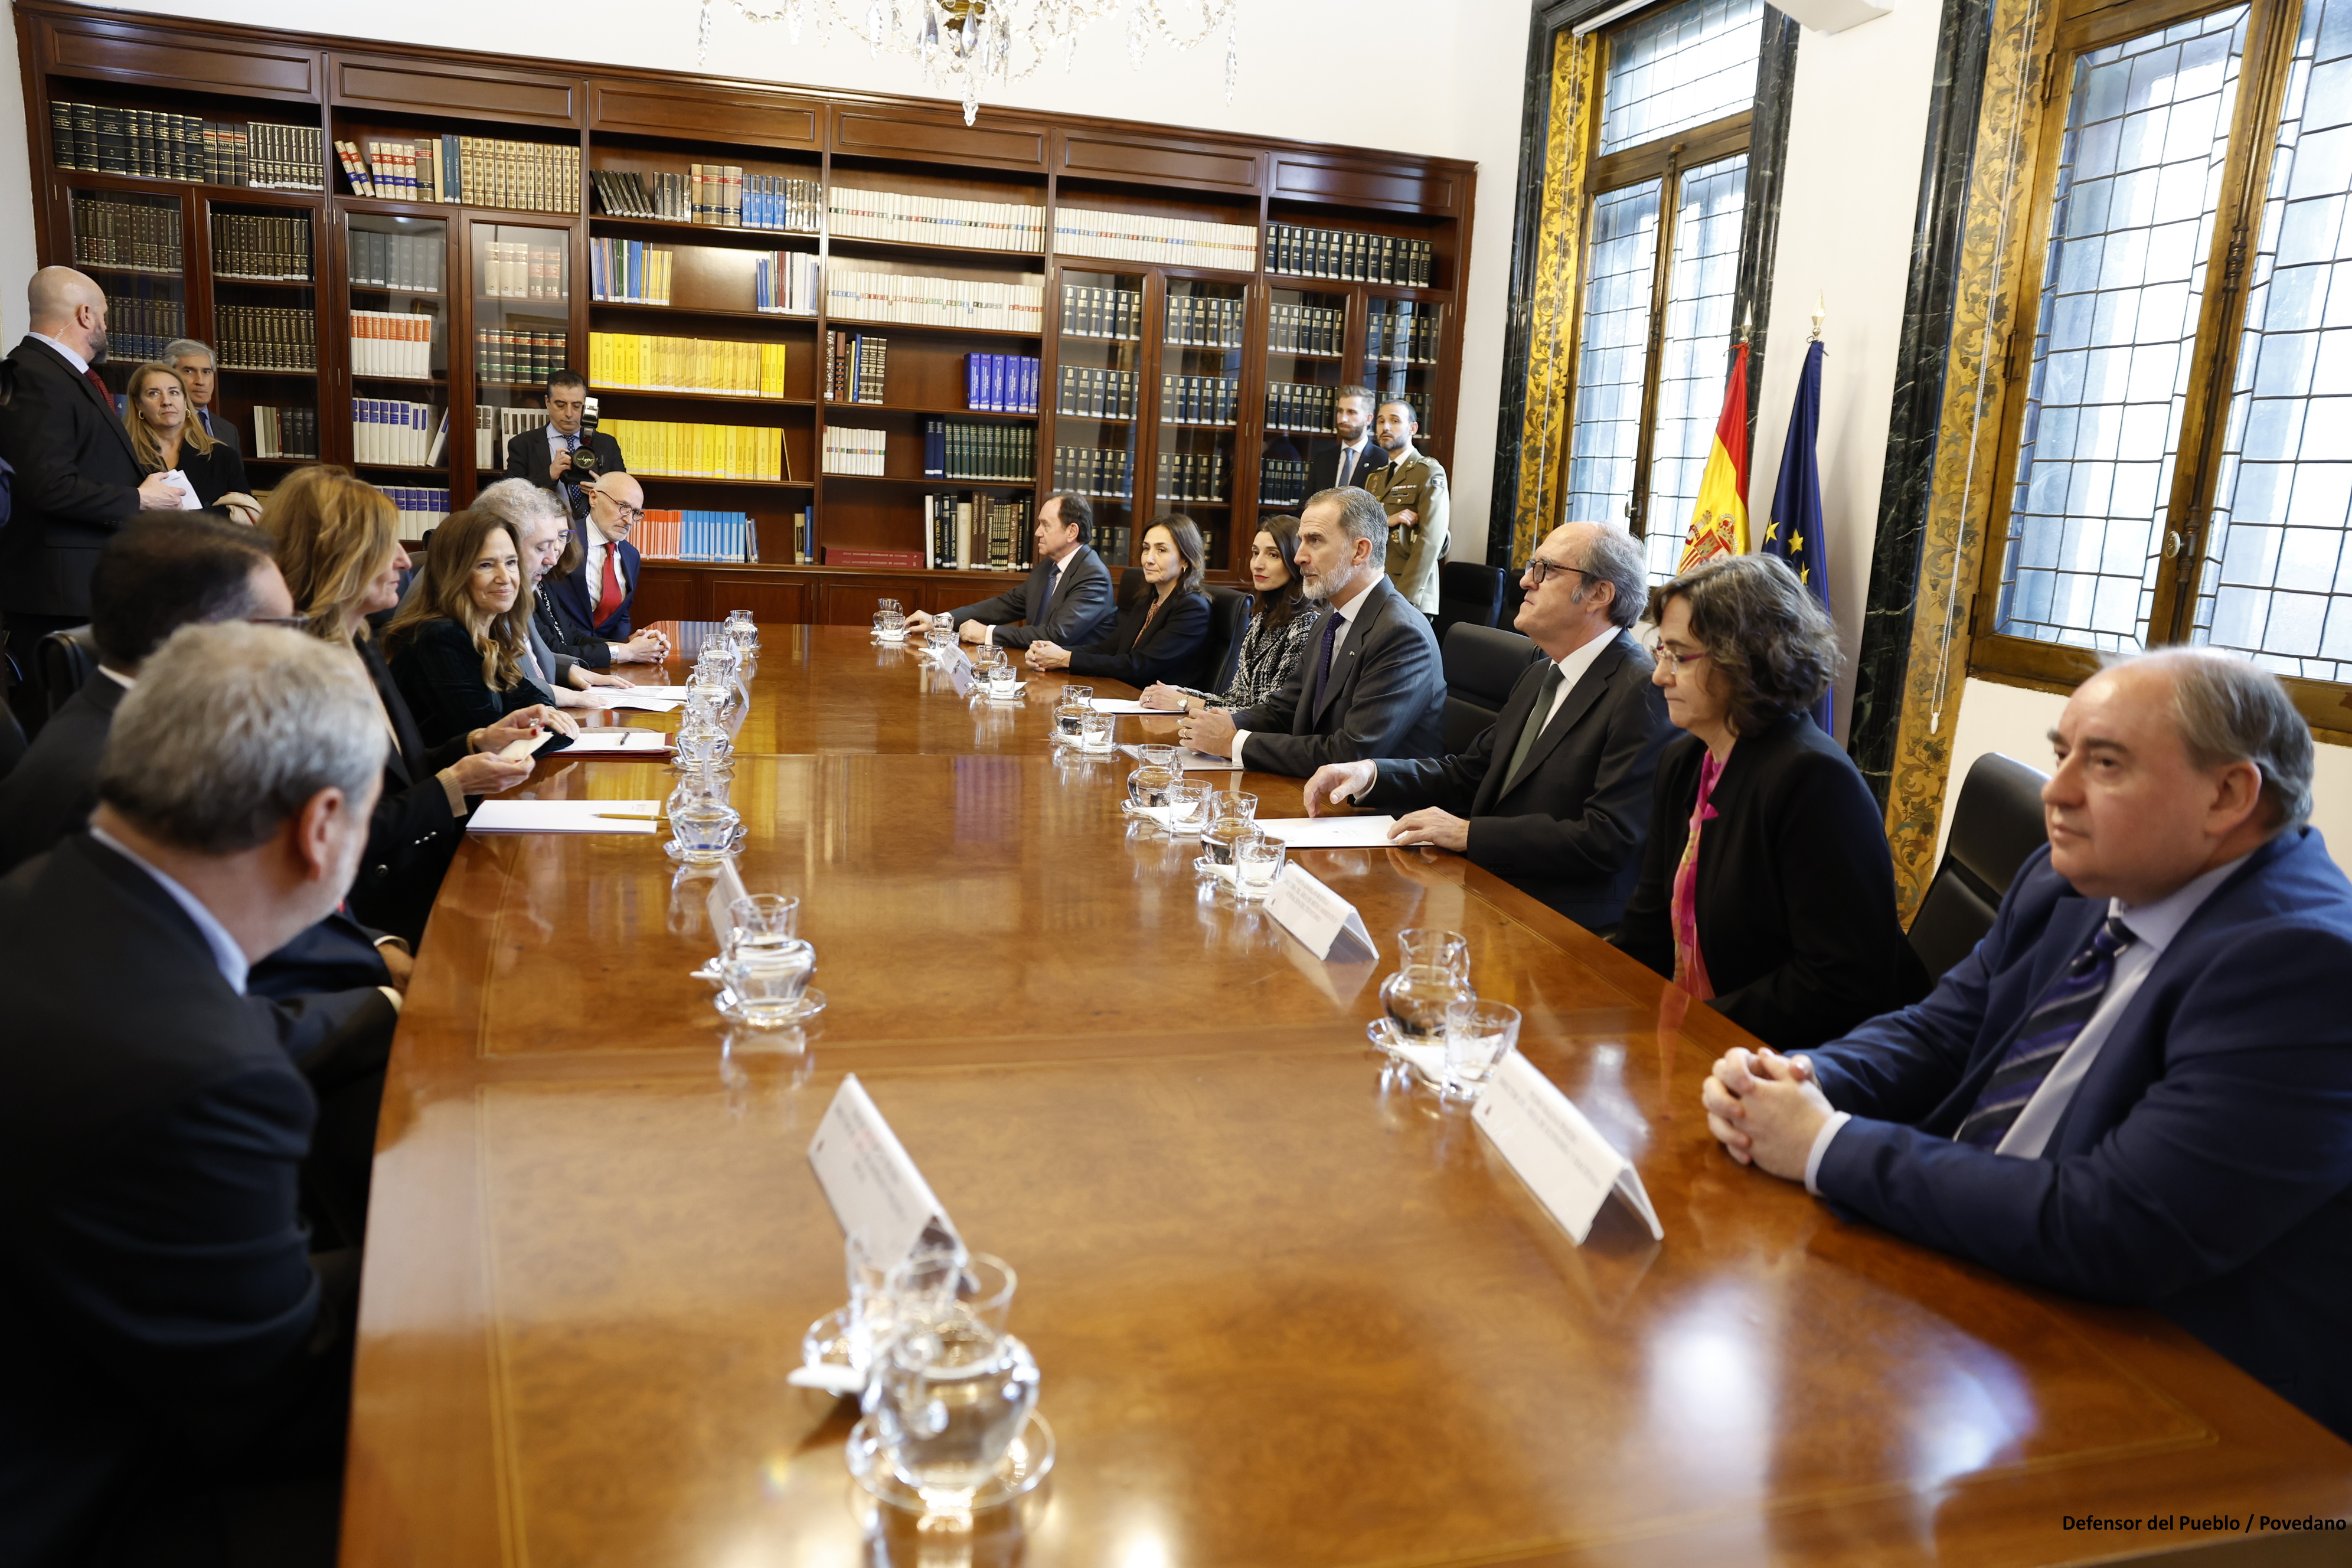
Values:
[(1290, 1315)]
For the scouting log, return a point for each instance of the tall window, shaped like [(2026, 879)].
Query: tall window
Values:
[(2177, 467), (1669, 177)]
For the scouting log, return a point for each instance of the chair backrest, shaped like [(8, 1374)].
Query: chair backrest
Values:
[(1228, 615), (1130, 587), (1996, 825), (1482, 665), (1469, 593), (1515, 593), (67, 658), (12, 737)]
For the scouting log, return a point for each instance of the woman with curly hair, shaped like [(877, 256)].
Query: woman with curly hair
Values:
[(1766, 889)]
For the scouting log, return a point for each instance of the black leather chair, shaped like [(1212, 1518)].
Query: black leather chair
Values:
[(66, 659), (1482, 665), (1515, 593), (12, 738), (1468, 594), (1228, 615), (1996, 825), (1132, 587)]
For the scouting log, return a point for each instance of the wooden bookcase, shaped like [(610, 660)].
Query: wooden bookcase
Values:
[(650, 122)]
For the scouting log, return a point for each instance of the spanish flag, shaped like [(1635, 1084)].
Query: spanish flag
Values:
[(1719, 521)]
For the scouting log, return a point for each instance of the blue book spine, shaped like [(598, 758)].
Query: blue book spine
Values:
[(935, 448), (971, 381)]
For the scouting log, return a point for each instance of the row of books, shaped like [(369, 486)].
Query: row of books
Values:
[(1094, 470), (1090, 393), (1000, 384), (1092, 312), (721, 195), (700, 451), (250, 246), (138, 328), (412, 263), (394, 434), (1299, 406), (855, 365), (1191, 477), (156, 144), (127, 236), (687, 364), (421, 507), (1206, 321), (495, 427), (478, 171), (1349, 256), (953, 449), (725, 536), (936, 220), (1305, 330), (529, 354), (522, 269), (265, 337), (1200, 399), (393, 344), (1402, 331), (627, 272), (862, 454), (285, 433), (977, 532), (935, 301), (1173, 241), (1282, 481), (786, 282)]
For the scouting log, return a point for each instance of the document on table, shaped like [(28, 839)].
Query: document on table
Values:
[(641, 699), (1129, 705), (1194, 762), (614, 743), (676, 693), (1330, 832), (565, 816)]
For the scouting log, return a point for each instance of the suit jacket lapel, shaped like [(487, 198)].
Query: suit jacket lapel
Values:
[(1351, 643), (1573, 708)]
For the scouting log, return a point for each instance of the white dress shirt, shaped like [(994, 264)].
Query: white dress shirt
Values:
[(1346, 613), (598, 547), (1572, 670), (81, 365), (225, 951), (2153, 926)]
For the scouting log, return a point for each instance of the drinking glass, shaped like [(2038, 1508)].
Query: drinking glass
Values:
[(937, 1281), (1069, 716), (762, 918), (1146, 786), (1003, 681), (1094, 732), (879, 617), (1478, 1035), (699, 741), (1232, 817), (1416, 997), (1188, 805), (1445, 949), (766, 980), (704, 784), (703, 832), (1257, 866), (891, 606)]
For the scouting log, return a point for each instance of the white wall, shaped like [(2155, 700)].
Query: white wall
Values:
[(1464, 61)]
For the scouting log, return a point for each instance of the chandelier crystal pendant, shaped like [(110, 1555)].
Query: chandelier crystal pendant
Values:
[(964, 45)]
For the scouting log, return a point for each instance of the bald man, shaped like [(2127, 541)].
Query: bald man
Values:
[(76, 478), (592, 597)]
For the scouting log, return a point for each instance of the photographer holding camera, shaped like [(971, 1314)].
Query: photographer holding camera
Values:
[(568, 449)]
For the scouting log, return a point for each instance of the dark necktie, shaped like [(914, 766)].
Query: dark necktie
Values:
[(573, 494), (1347, 462), (1538, 717), (2043, 1037), (1332, 621)]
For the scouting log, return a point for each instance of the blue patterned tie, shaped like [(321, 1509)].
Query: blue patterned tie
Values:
[(2043, 1037)]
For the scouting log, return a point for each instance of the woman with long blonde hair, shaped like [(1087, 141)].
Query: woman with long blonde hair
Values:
[(456, 646), (168, 438), (337, 540)]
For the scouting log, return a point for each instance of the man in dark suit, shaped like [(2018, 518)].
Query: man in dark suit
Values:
[(543, 456), (77, 476), (1067, 598), (2138, 1088), (200, 368), (176, 1359), (1371, 685), (589, 601), (1554, 796), (1355, 453)]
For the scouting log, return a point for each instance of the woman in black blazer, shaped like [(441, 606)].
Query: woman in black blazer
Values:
[(456, 645), (1164, 634), (1782, 916), (337, 540), (166, 434)]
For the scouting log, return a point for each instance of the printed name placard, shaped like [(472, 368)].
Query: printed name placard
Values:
[(868, 1177), (1562, 1157), (1315, 914), (959, 674)]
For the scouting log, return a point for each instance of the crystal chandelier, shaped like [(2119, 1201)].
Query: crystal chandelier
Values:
[(964, 44)]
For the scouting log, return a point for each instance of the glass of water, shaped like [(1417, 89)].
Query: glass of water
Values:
[(1478, 1035), (1003, 681), (1188, 806), (766, 979), (1257, 866), (1232, 817), (1094, 732), (1069, 713), (765, 918), (951, 1395)]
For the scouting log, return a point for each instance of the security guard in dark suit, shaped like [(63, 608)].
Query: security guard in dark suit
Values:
[(1411, 489)]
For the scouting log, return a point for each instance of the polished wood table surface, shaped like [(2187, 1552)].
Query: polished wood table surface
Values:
[(1288, 1314)]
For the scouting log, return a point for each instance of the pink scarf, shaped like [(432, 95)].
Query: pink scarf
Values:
[(1690, 964)]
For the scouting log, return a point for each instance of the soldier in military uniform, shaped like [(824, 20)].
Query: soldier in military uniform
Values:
[(1411, 488)]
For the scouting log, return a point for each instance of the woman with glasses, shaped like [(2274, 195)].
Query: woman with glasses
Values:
[(337, 540), (1165, 633), (168, 438), (456, 645), (1280, 628), (1766, 889)]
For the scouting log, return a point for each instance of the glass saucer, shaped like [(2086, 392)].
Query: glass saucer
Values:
[(1208, 868), (811, 1004), (734, 846), (1025, 1464)]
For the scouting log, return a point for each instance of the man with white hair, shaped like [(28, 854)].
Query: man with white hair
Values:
[(2138, 1088), (200, 368), (176, 1357)]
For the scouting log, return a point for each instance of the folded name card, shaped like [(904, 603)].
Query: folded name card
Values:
[(869, 1178), (1563, 1159), (1316, 915), (960, 675)]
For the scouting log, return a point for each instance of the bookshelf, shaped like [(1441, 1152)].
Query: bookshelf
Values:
[(1145, 279)]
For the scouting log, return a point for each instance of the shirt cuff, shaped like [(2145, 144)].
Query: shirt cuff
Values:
[(987, 637), (399, 941), (1235, 754), (1821, 1146), (392, 997)]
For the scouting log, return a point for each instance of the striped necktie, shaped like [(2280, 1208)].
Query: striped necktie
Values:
[(2043, 1037)]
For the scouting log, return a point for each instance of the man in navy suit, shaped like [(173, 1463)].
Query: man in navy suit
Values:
[(2138, 1088)]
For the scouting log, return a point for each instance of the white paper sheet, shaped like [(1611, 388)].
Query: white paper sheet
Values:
[(1194, 762), (676, 693), (565, 816), (610, 742), (639, 699), (1330, 832), (1129, 705)]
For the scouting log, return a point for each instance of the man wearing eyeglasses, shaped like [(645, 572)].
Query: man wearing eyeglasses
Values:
[(593, 597), (1553, 797)]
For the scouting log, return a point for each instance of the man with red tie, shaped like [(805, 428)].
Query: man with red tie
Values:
[(593, 597), (77, 476)]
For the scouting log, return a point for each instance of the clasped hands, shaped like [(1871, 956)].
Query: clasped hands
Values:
[(1765, 1109), (1334, 782)]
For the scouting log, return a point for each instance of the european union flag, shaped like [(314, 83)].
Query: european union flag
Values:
[(1795, 534)]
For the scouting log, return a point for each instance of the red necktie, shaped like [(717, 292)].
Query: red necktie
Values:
[(609, 604), (98, 382)]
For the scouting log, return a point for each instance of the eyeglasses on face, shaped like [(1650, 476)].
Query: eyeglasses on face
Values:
[(1539, 570), (1671, 659), (632, 515)]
